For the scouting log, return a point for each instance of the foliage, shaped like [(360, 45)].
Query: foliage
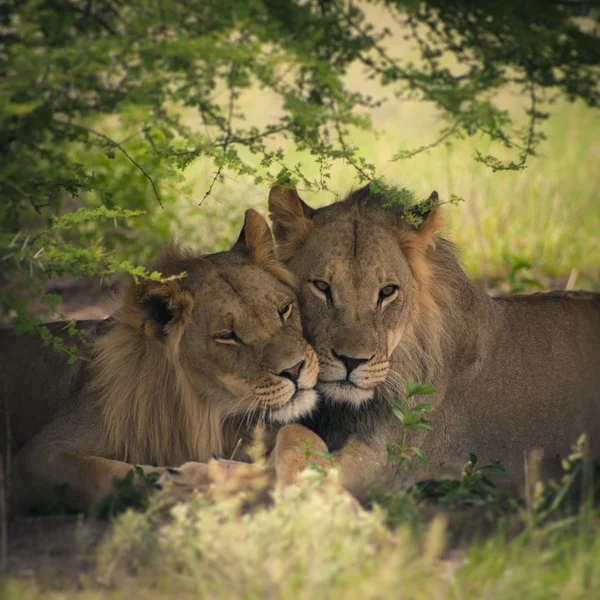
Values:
[(399, 453), (474, 487), (104, 104), (518, 279), (132, 491), (53, 253), (314, 545)]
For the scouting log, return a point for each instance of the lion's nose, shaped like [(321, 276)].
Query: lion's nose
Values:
[(293, 372), (351, 362)]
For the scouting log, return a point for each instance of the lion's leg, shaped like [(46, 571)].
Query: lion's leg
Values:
[(48, 461), (90, 478), (297, 447), (360, 465)]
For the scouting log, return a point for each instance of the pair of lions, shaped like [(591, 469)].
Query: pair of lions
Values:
[(188, 365), (182, 372), (381, 298)]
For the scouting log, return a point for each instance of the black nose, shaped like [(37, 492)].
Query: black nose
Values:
[(351, 363), (293, 372)]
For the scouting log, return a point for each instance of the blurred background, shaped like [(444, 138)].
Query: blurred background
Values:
[(518, 230)]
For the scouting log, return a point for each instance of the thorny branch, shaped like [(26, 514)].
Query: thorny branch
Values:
[(217, 175), (120, 148)]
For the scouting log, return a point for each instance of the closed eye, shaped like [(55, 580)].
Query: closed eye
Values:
[(228, 337), (286, 311)]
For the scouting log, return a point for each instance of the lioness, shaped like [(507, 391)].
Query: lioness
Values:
[(181, 372), (381, 298)]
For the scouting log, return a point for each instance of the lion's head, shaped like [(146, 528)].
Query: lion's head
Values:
[(193, 358), (364, 274)]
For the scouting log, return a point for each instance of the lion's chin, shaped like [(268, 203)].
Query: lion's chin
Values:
[(299, 405), (344, 391)]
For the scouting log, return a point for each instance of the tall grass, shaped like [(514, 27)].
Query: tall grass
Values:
[(313, 546)]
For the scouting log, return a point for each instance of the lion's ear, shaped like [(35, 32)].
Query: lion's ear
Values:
[(157, 306), (430, 218), (256, 239), (291, 218)]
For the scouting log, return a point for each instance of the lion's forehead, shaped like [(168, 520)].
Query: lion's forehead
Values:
[(240, 287), (361, 252), (244, 301)]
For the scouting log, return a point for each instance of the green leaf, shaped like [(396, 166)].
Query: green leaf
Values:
[(420, 407), (325, 454), (425, 426), (411, 419), (495, 467), (414, 388), (399, 414), (421, 454)]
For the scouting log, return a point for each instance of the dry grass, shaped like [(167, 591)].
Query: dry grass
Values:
[(309, 545)]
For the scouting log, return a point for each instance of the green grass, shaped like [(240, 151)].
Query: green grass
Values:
[(548, 214), (309, 545)]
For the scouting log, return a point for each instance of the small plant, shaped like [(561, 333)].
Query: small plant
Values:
[(579, 484), (132, 492), (309, 453), (400, 453), (474, 487), (519, 279), (55, 500)]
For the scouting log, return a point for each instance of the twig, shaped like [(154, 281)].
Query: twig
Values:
[(572, 280), (533, 119), (239, 443), (410, 153), (120, 148), (225, 143), (347, 153)]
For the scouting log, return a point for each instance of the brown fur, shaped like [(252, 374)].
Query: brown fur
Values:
[(512, 374), (166, 382)]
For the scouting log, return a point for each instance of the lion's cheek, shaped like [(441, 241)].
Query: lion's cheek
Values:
[(237, 386), (393, 339)]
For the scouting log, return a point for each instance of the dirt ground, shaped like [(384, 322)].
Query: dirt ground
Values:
[(53, 551)]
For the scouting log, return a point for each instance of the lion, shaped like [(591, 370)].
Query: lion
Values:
[(382, 297), (182, 372)]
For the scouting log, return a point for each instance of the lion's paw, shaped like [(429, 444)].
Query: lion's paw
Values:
[(217, 480), (181, 483)]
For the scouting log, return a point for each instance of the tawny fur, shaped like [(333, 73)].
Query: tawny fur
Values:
[(512, 374), (161, 387), (129, 368)]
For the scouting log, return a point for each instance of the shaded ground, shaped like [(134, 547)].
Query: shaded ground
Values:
[(53, 551), (81, 298)]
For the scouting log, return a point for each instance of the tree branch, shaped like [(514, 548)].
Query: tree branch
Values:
[(120, 148)]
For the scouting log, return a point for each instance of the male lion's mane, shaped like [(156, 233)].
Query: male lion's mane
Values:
[(151, 412)]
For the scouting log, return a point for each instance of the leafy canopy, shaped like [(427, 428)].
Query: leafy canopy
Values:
[(93, 96)]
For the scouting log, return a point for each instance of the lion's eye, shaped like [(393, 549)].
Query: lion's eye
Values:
[(387, 292), (286, 311), (322, 286), (228, 337)]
